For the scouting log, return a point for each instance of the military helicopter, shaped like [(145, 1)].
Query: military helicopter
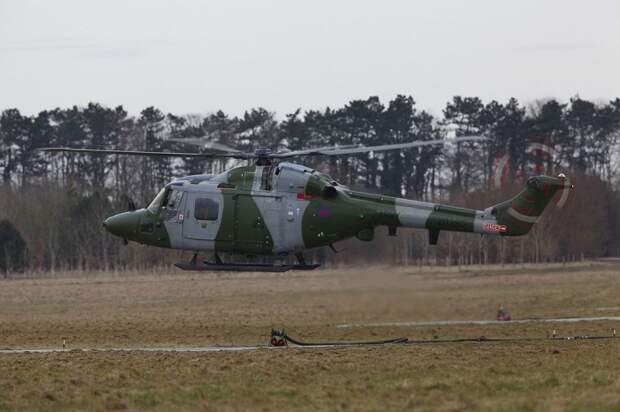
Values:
[(275, 208)]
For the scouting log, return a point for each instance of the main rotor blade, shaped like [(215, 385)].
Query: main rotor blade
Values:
[(353, 149), (318, 151), (204, 143), (312, 151), (239, 155)]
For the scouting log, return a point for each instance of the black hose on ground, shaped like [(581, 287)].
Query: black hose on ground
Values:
[(282, 335), (283, 338)]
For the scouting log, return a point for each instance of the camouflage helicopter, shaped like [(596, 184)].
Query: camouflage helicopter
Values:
[(277, 209)]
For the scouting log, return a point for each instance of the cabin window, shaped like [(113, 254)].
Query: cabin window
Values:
[(206, 209)]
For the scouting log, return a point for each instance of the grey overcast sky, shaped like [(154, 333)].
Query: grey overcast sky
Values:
[(199, 56)]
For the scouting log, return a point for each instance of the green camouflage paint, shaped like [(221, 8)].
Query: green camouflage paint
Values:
[(451, 218), (159, 236), (140, 226), (242, 227), (521, 212)]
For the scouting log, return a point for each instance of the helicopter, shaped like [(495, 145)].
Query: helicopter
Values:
[(275, 208)]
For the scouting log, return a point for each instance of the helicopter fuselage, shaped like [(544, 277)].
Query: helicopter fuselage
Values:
[(285, 208)]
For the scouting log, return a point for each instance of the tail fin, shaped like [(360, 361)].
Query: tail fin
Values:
[(520, 213)]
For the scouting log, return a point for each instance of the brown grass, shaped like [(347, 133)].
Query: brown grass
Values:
[(203, 309)]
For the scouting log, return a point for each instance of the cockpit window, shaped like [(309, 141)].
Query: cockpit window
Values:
[(173, 199), (166, 203), (172, 202)]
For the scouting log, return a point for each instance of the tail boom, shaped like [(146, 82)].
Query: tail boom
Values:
[(514, 217)]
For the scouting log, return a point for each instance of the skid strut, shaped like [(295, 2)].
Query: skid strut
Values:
[(219, 265), (242, 267)]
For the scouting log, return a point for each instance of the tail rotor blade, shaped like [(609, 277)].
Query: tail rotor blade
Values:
[(565, 193)]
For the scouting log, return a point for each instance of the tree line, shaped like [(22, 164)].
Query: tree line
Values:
[(57, 201)]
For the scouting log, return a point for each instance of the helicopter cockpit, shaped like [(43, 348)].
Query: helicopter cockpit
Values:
[(166, 203)]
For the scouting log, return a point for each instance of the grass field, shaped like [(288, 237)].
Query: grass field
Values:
[(180, 309)]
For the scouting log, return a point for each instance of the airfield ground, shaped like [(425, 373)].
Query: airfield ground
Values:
[(197, 309)]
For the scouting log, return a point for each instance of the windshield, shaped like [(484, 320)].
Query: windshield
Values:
[(156, 203)]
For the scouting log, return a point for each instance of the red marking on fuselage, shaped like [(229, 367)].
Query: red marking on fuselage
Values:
[(495, 227)]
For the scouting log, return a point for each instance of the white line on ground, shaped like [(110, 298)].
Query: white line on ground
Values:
[(473, 322), (201, 349)]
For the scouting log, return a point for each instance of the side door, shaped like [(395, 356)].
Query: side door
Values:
[(203, 215)]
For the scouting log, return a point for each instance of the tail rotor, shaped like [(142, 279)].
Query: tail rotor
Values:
[(565, 192)]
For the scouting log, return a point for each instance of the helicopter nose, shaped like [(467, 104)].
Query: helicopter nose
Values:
[(123, 225)]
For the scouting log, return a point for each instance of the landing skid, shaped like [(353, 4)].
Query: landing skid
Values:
[(242, 267), (219, 265)]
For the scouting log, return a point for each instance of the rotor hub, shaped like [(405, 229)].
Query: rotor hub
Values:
[(262, 152), (263, 156)]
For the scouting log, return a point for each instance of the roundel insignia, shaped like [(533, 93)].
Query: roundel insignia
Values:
[(324, 211)]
